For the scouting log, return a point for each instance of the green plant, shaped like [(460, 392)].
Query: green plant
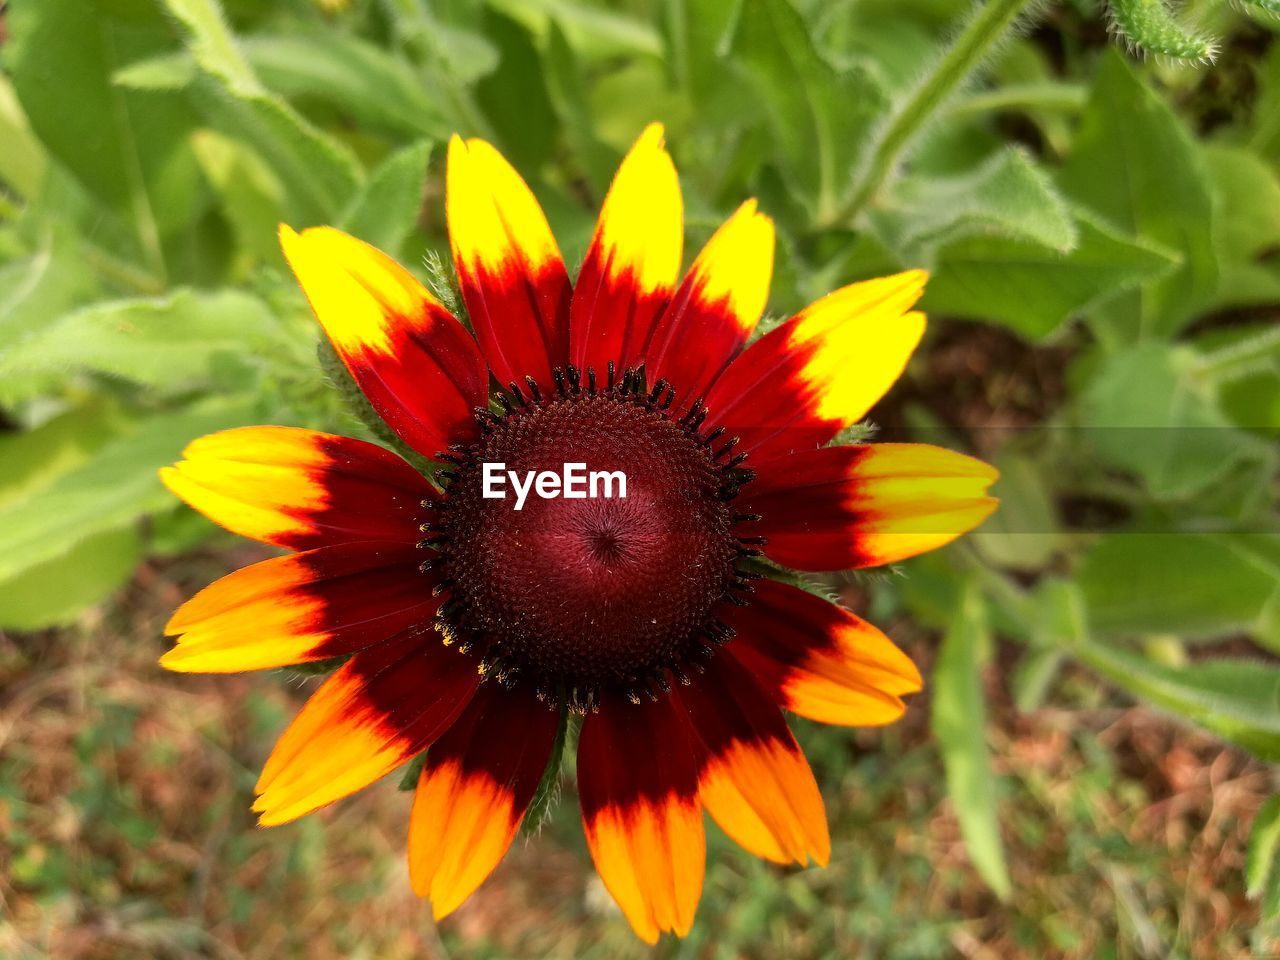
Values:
[(1106, 227)]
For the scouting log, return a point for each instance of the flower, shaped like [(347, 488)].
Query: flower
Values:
[(471, 628)]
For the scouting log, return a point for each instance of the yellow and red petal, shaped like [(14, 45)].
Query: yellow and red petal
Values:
[(632, 263), (754, 779), (419, 367), (307, 606), (298, 488), (638, 785), (863, 505), (818, 660), (716, 306), (473, 792), (381, 707), (513, 279), (799, 385)]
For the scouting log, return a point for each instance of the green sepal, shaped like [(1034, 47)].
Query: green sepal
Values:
[(548, 790), (412, 771)]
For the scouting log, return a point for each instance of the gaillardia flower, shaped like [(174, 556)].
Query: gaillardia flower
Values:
[(471, 627)]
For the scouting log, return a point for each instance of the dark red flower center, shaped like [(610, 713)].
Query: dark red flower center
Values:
[(578, 587)]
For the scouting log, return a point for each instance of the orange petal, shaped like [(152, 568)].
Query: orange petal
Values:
[(754, 778), (303, 607), (863, 505), (473, 792), (299, 488), (717, 306), (799, 385), (633, 261), (512, 277), (637, 782), (383, 706), (818, 660), (417, 365)]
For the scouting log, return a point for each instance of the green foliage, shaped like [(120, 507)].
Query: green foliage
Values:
[(1107, 227), (1199, 586), (959, 720), (1260, 871), (1033, 289), (1149, 25), (1127, 127), (1239, 700), (176, 343), (819, 114)]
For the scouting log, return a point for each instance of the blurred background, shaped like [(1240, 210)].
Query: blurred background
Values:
[(1089, 770)]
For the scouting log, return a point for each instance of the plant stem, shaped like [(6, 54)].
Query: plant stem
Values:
[(989, 24), (1243, 357)]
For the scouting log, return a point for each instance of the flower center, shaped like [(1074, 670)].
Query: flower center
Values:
[(612, 585)]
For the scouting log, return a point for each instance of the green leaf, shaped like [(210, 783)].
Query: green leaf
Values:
[(166, 343), (1149, 25), (1057, 625), (1024, 533), (567, 86), (1146, 410), (164, 71), (179, 531), (319, 174), (250, 196), (1264, 844), (596, 33), (23, 159), (37, 289), (1033, 290), (694, 33), (525, 124), (1238, 700), (1132, 155), (1033, 676), (35, 458), (819, 114), (109, 489), (1264, 137), (1193, 585), (1247, 192), (126, 147), (58, 590), (386, 210), (1007, 196), (1247, 203), (368, 83), (959, 720)]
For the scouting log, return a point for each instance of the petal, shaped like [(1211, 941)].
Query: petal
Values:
[(303, 607), (717, 306), (513, 280), (383, 706), (473, 792), (754, 778), (299, 488), (417, 365), (799, 385), (633, 261), (858, 506), (819, 660), (637, 782)]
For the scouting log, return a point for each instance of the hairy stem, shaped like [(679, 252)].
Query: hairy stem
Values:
[(986, 28)]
